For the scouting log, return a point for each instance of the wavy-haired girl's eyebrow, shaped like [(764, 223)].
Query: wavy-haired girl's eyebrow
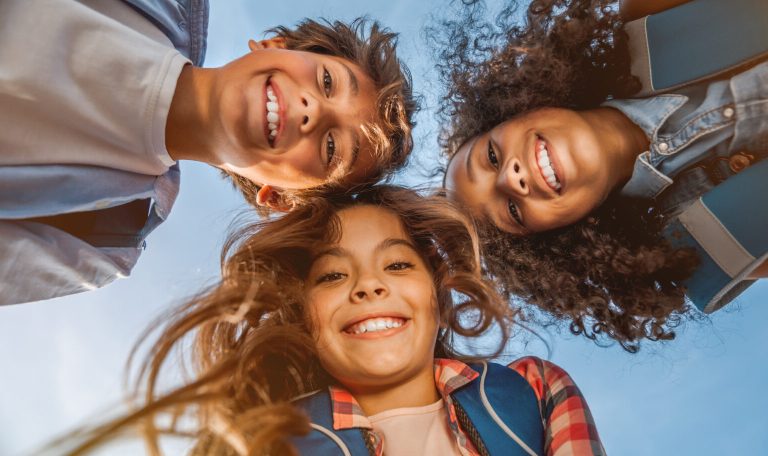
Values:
[(383, 245)]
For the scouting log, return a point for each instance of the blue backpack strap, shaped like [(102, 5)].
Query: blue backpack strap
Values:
[(728, 228), (323, 440), (695, 41), (504, 410)]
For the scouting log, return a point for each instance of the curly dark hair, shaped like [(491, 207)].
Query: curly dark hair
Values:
[(610, 275)]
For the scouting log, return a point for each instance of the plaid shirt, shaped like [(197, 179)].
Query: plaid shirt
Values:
[(569, 427)]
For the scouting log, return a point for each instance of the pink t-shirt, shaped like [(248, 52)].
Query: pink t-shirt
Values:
[(416, 431)]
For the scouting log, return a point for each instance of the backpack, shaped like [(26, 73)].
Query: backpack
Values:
[(500, 406), (696, 41)]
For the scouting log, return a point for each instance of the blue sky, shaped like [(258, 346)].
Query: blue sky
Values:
[(63, 359)]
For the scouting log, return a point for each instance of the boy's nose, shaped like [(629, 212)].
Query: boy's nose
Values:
[(310, 112)]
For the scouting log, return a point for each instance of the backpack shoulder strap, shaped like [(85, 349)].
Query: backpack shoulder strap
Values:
[(696, 41), (504, 410), (323, 440), (727, 227)]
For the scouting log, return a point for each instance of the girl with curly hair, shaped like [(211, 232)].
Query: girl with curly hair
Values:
[(332, 330), (575, 183)]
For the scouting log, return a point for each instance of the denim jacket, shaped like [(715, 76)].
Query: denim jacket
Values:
[(700, 137), (63, 263)]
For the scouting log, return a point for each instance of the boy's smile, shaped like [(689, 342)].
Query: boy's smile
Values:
[(283, 118), (294, 119)]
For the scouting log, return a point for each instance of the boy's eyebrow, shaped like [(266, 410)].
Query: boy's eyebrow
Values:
[(345, 168), (353, 84)]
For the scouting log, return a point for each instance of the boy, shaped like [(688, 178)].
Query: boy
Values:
[(99, 102)]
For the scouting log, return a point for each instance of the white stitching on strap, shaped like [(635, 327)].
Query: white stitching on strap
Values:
[(496, 418), (333, 437)]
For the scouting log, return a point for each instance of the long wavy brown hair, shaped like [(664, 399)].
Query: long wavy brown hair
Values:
[(374, 48), (247, 336), (610, 275)]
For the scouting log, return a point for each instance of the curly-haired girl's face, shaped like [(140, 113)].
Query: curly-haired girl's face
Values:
[(539, 171), (372, 303)]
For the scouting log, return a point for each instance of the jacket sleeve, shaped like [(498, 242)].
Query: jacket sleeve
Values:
[(39, 262), (568, 424)]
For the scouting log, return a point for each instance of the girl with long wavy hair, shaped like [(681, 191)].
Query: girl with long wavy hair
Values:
[(333, 328), (572, 181)]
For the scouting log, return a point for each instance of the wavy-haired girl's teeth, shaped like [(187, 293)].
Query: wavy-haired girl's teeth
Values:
[(375, 324)]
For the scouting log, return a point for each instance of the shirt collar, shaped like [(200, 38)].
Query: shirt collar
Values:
[(649, 114), (450, 375)]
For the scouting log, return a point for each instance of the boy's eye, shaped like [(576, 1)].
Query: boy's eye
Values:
[(330, 149), (327, 82), (399, 266), (492, 158), (515, 212), (330, 277)]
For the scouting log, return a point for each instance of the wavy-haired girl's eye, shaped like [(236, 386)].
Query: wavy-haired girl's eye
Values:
[(330, 277), (399, 266), (515, 212), (492, 158)]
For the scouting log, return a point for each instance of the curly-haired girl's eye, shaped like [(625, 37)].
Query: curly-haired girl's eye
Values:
[(515, 212), (492, 158)]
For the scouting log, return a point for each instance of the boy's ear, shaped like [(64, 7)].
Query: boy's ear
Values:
[(276, 42), (270, 197)]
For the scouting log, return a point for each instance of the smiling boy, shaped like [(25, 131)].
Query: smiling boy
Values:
[(101, 99)]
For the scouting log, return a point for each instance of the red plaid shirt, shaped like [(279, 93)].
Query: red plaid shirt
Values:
[(569, 427)]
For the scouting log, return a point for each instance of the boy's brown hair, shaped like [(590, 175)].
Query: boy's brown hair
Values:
[(373, 48)]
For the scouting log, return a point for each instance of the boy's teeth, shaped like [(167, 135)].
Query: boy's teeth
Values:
[(375, 324), (273, 116)]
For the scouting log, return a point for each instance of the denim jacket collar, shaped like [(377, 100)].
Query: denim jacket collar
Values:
[(649, 114)]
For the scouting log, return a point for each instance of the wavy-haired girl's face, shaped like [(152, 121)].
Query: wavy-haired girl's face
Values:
[(372, 303), (539, 171)]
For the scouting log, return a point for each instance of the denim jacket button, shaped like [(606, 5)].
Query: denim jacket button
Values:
[(663, 147), (728, 112), (739, 161)]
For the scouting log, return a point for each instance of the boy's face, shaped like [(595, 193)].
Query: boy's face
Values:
[(293, 119)]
